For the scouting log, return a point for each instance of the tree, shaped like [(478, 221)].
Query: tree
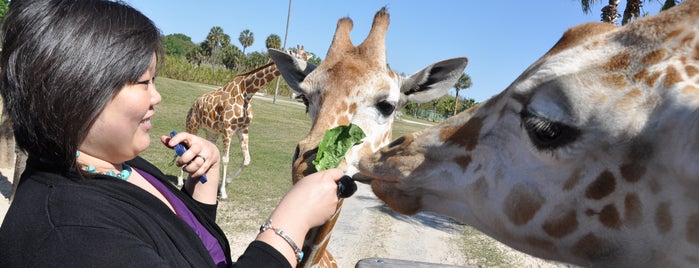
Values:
[(273, 41), (4, 4), (232, 58), (215, 42), (632, 11), (246, 39), (464, 82), (178, 44)]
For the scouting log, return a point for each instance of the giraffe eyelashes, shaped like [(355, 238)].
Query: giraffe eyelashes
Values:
[(546, 134)]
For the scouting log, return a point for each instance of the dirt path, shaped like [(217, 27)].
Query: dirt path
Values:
[(366, 228)]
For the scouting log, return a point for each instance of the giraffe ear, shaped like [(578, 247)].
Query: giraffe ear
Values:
[(294, 70), (433, 81)]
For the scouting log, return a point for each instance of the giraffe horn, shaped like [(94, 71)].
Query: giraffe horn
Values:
[(341, 41), (375, 44)]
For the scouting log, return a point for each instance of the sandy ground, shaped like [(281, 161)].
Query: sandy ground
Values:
[(5, 189)]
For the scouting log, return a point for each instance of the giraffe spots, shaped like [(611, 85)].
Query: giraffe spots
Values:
[(691, 70), (633, 213), (647, 78), (618, 62), (692, 259), (522, 203), (653, 57), (693, 229), (466, 135), (594, 248), (604, 185), (480, 187), (609, 216), (640, 76), (573, 180), (672, 77), (663, 218), (540, 243), (560, 225), (343, 120), (690, 90), (696, 52), (578, 34), (632, 172), (672, 34), (353, 108), (463, 161), (614, 80)]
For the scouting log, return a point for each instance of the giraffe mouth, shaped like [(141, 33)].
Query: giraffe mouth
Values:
[(361, 178)]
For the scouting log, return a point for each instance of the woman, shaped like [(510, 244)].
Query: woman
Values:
[(77, 79)]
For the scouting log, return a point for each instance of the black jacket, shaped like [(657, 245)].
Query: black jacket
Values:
[(105, 222)]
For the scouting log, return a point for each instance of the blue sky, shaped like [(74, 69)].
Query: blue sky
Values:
[(501, 38)]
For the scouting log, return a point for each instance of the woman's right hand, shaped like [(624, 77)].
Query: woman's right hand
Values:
[(311, 202)]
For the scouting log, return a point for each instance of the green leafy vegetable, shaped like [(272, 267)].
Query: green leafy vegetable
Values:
[(335, 144)]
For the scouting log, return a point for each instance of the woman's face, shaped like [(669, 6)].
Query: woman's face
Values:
[(120, 132)]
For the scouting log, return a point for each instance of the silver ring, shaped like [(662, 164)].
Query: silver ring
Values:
[(202, 157), (184, 166)]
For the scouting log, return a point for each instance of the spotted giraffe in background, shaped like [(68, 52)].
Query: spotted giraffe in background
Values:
[(590, 157), (354, 85), (228, 110)]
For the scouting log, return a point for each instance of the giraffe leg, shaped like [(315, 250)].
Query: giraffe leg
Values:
[(191, 126), (224, 162), (243, 138)]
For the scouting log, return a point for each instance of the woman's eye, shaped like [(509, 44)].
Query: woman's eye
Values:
[(546, 134), (385, 108)]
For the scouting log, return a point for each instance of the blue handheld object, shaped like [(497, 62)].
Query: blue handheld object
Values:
[(180, 148)]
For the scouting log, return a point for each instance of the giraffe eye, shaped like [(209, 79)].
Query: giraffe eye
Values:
[(385, 108), (547, 134)]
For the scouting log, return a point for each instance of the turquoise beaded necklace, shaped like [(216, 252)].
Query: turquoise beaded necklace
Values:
[(123, 174)]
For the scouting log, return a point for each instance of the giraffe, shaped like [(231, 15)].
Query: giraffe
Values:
[(354, 85), (590, 157), (228, 110)]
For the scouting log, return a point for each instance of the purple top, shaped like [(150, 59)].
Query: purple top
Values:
[(185, 214)]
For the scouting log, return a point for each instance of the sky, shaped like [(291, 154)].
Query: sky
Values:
[(501, 38)]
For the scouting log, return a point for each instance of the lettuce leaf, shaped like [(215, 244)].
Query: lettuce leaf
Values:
[(335, 144)]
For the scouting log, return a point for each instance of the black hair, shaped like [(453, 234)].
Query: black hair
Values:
[(62, 61)]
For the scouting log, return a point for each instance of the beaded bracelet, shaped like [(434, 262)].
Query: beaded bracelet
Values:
[(282, 234)]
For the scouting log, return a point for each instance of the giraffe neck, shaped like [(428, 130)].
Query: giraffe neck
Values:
[(253, 81)]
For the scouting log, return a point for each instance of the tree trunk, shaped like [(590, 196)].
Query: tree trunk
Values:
[(610, 12), (632, 11), (456, 102)]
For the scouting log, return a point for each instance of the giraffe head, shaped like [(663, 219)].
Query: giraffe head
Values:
[(355, 85), (591, 156)]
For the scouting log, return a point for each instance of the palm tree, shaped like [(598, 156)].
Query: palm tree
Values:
[(215, 42), (610, 12), (273, 41), (464, 82), (246, 39)]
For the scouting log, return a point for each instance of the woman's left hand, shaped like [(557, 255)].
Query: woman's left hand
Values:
[(201, 157)]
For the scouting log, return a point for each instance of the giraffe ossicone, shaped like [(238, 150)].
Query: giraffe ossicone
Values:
[(228, 110), (354, 85), (590, 157)]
